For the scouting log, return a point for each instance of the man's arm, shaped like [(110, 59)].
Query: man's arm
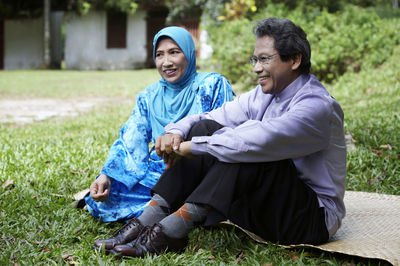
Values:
[(302, 130)]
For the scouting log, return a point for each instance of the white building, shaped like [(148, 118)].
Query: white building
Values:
[(23, 42), (99, 40), (92, 41), (102, 40)]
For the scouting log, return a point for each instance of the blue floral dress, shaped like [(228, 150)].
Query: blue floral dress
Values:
[(133, 165)]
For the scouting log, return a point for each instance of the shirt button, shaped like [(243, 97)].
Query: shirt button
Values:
[(277, 99)]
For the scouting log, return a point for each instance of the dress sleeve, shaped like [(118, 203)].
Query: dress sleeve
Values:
[(222, 92), (129, 155)]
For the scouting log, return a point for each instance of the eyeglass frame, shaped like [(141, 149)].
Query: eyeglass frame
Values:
[(255, 59)]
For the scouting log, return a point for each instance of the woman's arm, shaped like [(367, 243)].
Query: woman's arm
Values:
[(128, 157)]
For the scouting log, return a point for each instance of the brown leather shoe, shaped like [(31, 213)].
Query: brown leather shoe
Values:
[(125, 234), (151, 240)]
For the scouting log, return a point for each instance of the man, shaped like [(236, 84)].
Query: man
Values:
[(273, 161)]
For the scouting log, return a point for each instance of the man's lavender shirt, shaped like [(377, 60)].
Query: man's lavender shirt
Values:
[(303, 123)]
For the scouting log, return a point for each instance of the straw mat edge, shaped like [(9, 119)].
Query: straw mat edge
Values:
[(371, 228)]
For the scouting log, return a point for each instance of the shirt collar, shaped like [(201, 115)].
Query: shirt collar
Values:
[(293, 87)]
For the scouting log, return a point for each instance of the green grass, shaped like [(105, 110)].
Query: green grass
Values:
[(51, 160), (371, 102), (54, 83)]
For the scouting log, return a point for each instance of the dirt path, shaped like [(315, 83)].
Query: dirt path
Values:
[(23, 111)]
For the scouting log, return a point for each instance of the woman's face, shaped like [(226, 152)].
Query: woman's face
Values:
[(170, 60)]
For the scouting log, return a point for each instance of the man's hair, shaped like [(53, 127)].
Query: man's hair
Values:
[(290, 40)]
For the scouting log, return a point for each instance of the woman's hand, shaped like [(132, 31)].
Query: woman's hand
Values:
[(167, 143), (100, 188)]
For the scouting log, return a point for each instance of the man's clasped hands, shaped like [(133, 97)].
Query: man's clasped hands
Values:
[(172, 148)]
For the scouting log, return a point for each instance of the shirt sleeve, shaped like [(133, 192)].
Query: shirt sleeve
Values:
[(128, 157), (303, 129)]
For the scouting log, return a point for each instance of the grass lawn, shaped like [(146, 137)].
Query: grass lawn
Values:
[(50, 161)]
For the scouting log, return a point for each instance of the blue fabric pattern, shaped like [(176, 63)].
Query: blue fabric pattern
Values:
[(132, 163)]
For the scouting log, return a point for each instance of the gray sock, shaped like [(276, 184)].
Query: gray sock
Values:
[(157, 209), (180, 223)]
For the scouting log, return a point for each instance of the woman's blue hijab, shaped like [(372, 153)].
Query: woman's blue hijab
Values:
[(172, 101)]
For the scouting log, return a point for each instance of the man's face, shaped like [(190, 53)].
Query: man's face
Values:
[(170, 60), (274, 75)]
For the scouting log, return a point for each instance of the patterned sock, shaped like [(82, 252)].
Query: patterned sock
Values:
[(157, 209), (180, 223)]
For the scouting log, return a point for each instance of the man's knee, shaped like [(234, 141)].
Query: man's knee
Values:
[(204, 128)]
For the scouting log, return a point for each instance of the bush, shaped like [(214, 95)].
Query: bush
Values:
[(345, 41), (350, 40), (232, 45)]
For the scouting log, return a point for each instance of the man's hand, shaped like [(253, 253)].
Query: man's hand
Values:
[(185, 150), (100, 188), (167, 147)]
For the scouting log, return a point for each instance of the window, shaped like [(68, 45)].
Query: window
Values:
[(116, 29)]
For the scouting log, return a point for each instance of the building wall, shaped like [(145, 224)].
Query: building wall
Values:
[(23, 43), (85, 43)]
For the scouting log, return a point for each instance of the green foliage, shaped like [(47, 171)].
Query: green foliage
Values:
[(237, 9), (345, 41), (353, 39), (386, 12), (307, 5), (181, 9), (330, 6), (127, 6), (123, 5), (26, 8), (231, 43)]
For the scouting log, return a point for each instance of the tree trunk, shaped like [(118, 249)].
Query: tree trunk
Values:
[(395, 4), (46, 43)]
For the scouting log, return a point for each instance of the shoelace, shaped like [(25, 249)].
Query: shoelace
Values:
[(146, 233), (125, 227)]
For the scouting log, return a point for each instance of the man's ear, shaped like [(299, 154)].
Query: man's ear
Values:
[(296, 62)]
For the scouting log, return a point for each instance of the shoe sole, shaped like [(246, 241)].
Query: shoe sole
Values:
[(100, 249)]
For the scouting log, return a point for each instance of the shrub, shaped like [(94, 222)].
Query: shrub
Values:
[(232, 45), (344, 41)]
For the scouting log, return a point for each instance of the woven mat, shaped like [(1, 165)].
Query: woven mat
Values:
[(371, 228)]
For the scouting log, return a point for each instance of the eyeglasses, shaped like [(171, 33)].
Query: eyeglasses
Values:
[(263, 59)]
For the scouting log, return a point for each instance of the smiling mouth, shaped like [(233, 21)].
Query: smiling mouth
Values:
[(170, 72), (263, 78)]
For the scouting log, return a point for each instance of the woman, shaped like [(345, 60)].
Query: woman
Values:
[(122, 190)]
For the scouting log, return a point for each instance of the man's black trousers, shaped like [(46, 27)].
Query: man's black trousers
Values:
[(266, 198)]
